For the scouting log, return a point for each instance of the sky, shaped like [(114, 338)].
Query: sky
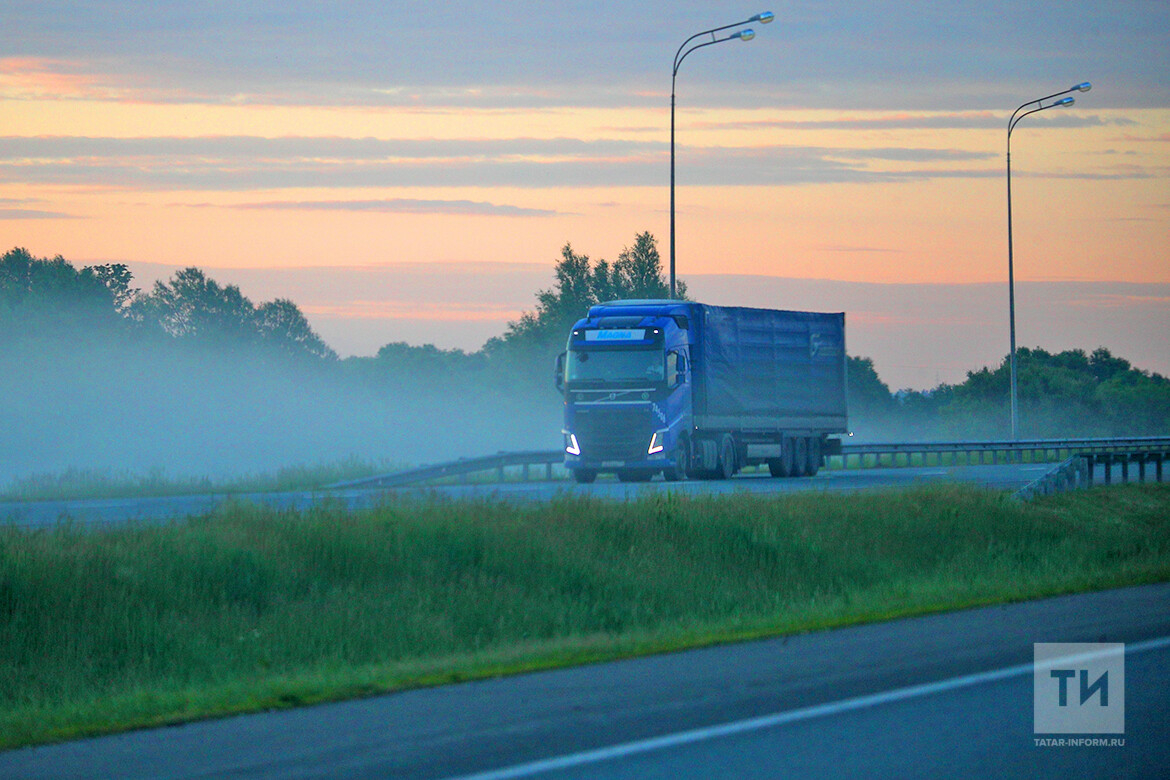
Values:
[(410, 171)]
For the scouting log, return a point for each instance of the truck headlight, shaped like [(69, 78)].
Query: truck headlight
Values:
[(657, 442), (571, 445)]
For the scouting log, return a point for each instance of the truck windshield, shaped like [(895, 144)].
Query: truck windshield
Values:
[(615, 365)]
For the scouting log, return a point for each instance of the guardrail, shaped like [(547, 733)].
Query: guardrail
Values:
[(1012, 451), (1105, 452), (1081, 470), (1140, 459), (461, 468), (1074, 473)]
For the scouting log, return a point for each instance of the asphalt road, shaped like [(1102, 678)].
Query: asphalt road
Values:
[(938, 696), (41, 513)]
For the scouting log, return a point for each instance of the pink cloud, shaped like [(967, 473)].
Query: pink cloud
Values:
[(24, 78), (446, 311)]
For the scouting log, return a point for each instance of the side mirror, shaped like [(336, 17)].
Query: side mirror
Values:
[(559, 374)]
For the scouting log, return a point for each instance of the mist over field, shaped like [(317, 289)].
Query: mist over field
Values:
[(195, 380), (199, 413), (191, 379)]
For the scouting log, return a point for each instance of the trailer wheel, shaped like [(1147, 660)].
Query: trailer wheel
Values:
[(799, 457), (584, 476), (785, 465), (727, 458), (814, 456)]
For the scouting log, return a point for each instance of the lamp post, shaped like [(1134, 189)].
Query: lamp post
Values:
[(1015, 118), (680, 55)]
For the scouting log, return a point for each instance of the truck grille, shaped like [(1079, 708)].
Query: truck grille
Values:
[(620, 433)]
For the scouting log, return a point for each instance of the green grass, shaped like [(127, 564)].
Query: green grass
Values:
[(252, 608)]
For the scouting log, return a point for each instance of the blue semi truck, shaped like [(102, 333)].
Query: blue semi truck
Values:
[(689, 390)]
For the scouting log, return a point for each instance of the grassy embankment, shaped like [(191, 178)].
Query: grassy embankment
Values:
[(251, 608)]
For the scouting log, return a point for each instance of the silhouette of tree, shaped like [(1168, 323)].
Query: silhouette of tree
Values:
[(48, 296), (194, 308), (637, 273)]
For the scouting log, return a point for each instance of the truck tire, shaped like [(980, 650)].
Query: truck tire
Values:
[(727, 458), (782, 466), (814, 457), (704, 451), (682, 462), (584, 476), (788, 457), (799, 457)]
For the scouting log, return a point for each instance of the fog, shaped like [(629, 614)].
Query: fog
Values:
[(101, 404), (193, 380)]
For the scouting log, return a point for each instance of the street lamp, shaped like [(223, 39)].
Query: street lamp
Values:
[(680, 55), (1084, 86)]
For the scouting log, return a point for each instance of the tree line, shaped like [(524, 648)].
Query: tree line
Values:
[(43, 297), (1073, 392)]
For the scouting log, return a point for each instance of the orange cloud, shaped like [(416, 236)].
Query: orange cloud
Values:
[(30, 78), (413, 310)]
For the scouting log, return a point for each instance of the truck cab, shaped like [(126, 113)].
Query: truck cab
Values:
[(625, 377)]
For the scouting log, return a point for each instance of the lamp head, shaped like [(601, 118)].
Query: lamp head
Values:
[(1084, 86), (1068, 101), (744, 35), (764, 18)]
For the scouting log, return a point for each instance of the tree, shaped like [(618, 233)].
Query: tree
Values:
[(191, 306), (194, 308), (637, 273), (116, 278), (50, 295), (1104, 366), (868, 394), (282, 326)]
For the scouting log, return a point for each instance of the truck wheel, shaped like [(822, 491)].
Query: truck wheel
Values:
[(727, 458), (682, 462), (814, 457), (584, 476), (799, 456), (785, 463)]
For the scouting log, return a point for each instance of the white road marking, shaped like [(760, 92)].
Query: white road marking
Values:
[(783, 718)]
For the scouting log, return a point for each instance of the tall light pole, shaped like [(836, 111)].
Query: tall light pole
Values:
[(680, 55), (1015, 118)]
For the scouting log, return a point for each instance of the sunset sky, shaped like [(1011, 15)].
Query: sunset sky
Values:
[(410, 171)]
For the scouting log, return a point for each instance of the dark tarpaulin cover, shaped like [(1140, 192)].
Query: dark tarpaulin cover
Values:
[(766, 363)]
